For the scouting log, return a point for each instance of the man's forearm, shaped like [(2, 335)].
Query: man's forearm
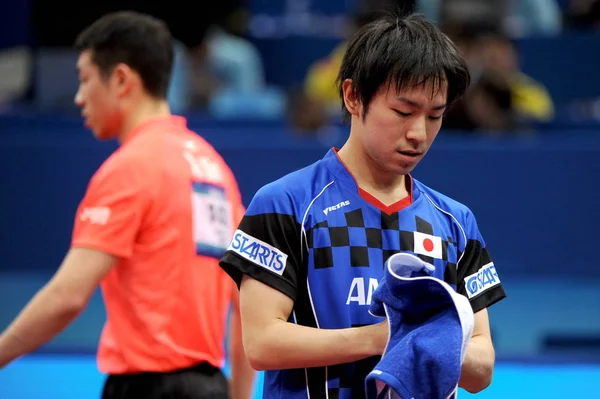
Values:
[(44, 317), (242, 374), (285, 345), (478, 366)]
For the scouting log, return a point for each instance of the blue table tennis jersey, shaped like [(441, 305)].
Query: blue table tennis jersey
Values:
[(314, 237)]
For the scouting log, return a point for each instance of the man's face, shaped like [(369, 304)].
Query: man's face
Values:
[(400, 127), (97, 98)]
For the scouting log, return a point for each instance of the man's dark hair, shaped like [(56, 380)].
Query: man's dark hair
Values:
[(142, 42), (402, 51)]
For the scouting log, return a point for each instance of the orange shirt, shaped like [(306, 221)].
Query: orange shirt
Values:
[(166, 204)]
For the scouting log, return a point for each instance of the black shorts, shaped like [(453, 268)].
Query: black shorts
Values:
[(199, 382)]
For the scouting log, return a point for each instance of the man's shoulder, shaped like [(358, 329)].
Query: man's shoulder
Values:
[(443, 202), (117, 162), (134, 162), (292, 192)]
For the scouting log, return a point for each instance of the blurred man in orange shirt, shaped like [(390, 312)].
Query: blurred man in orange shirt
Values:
[(156, 218)]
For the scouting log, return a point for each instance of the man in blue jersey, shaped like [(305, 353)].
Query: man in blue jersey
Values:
[(311, 248)]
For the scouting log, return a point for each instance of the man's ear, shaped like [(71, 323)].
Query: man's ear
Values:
[(123, 79), (351, 101)]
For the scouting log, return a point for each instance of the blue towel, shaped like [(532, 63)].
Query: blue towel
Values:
[(430, 328)]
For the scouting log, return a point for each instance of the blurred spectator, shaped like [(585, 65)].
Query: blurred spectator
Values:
[(221, 67), (475, 14), (495, 56), (487, 107), (534, 17), (320, 83), (583, 14), (15, 70), (516, 18), (231, 59), (530, 99), (305, 114)]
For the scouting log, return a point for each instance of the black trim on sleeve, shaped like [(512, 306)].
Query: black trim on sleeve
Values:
[(474, 258), (279, 231), (487, 298), (236, 266)]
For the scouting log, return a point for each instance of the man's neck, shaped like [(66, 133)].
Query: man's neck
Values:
[(144, 110), (387, 188)]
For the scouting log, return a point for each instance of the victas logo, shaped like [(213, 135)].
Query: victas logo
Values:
[(484, 279), (335, 207), (258, 252)]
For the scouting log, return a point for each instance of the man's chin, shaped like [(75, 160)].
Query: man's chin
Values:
[(403, 169)]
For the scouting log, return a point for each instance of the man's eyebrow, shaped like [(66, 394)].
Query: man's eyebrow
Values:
[(419, 105)]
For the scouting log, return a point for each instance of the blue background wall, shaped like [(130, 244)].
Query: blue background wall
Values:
[(534, 197)]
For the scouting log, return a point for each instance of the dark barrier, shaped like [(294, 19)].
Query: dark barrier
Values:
[(535, 199)]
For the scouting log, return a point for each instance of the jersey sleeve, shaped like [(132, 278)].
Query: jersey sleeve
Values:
[(266, 245), (110, 214), (477, 276)]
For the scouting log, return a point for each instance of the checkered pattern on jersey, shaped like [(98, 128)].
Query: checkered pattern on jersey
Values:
[(347, 381), (366, 238)]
